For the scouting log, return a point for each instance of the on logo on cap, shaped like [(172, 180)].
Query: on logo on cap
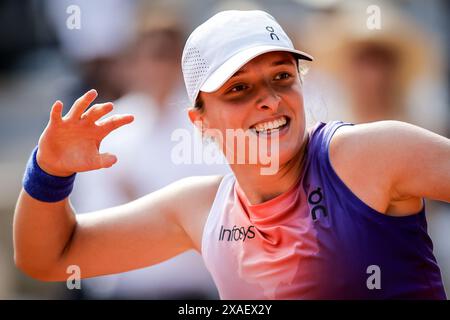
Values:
[(272, 32)]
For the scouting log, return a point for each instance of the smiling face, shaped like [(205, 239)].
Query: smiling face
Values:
[(261, 98)]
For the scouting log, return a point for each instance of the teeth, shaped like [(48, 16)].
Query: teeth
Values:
[(272, 125)]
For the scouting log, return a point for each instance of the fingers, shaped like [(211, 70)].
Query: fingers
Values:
[(81, 104), (97, 111), (56, 112), (114, 122)]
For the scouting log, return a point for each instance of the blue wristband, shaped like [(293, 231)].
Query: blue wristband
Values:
[(43, 186)]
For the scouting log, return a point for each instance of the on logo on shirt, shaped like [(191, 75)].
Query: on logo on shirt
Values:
[(315, 199)]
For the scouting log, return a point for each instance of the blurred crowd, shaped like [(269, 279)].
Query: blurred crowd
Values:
[(130, 52)]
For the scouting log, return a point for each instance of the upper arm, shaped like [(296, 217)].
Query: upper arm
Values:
[(137, 234), (421, 161), (401, 159)]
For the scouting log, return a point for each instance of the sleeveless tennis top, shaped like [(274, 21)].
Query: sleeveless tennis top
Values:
[(317, 240)]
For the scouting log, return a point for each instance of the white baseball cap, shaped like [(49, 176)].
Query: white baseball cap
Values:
[(219, 47)]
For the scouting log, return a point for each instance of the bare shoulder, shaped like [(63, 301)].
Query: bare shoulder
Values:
[(195, 189), (374, 140), (384, 141), (379, 131), (364, 157), (195, 196)]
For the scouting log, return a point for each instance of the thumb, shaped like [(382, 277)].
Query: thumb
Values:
[(105, 160)]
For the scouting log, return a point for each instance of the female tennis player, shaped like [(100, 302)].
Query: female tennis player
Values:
[(343, 217)]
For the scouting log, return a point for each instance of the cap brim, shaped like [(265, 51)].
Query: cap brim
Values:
[(226, 70)]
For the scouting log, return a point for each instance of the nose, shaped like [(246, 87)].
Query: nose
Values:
[(268, 99)]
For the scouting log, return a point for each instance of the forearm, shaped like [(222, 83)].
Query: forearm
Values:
[(41, 232)]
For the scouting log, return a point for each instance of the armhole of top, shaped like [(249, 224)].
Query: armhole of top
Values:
[(224, 185), (361, 204)]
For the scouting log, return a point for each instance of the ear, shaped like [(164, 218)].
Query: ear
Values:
[(198, 119)]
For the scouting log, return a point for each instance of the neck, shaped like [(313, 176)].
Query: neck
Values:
[(260, 188)]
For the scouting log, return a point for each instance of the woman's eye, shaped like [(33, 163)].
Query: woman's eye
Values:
[(283, 75), (238, 88)]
